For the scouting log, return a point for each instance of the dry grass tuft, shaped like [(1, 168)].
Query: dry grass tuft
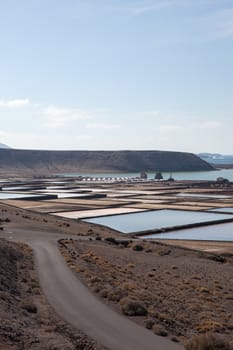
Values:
[(132, 307), (159, 330), (148, 322), (208, 341), (210, 325)]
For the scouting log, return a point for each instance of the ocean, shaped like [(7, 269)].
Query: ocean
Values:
[(188, 175)]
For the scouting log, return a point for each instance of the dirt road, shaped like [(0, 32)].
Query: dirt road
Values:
[(77, 305)]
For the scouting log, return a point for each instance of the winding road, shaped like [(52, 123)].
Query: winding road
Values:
[(77, 305)]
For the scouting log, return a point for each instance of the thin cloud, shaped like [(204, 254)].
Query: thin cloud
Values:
[(57, 117), (103, 126), (158, 5), (17, 103)]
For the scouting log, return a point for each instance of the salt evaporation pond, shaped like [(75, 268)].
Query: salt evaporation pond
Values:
[(201, 195), (220, 232), (156, 219), (223, 210), (5, 195)]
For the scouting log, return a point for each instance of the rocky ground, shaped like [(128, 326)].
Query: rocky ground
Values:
[(175, 292)]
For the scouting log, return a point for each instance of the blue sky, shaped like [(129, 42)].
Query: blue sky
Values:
[(117, 74)]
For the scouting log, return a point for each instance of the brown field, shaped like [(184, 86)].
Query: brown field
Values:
[(184, 292)]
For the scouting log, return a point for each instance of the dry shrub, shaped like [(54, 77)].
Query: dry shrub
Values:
[(131, 265), (94, 280), (104, 293), (208, 341), (116, 295), (210, 326), (159, 330), (137, 247), (217, 258), (111, 240), (164, 252), (132, 307), (165, 318), (148, 323), (203, 290), (129, 286)]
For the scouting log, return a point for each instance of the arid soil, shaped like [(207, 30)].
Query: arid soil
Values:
[(21, 218), (26, 319), (181, 292), (225, 248)]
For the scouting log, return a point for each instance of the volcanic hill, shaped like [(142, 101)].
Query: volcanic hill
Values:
[(50, 162)]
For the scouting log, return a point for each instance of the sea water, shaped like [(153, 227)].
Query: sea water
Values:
[(187, 175)]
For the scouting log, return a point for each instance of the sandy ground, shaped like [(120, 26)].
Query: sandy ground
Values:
[(225, 248)]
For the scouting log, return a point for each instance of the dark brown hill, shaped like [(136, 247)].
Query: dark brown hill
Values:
[(45, 162)]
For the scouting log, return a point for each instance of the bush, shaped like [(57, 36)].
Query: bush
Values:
[(159, 330), (111, 240), (138, 247), (218, 258), (132, 308), (116, 295), (149, 323), (122, 242), (208, 341)]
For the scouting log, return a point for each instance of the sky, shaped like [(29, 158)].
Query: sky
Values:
[(117, 74)]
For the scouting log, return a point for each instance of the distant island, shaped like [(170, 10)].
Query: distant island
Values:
[(2, 145), (51, 162), (216, 158)]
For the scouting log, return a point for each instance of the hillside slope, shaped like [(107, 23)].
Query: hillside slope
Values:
[(26, 320), (45, 162)]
